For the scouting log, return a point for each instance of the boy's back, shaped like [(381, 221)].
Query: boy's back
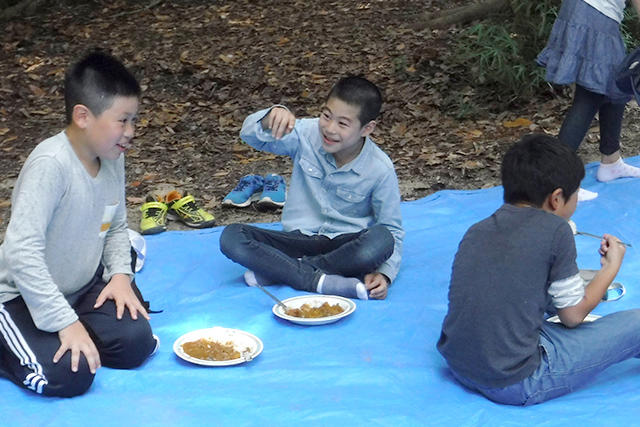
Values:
[(498, 293)]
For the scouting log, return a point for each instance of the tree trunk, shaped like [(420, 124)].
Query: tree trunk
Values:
[(461, 15)]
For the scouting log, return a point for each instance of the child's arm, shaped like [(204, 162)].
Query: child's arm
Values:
[(612, 254), (274, 130), (279, 121), (386, 207), (76, 339), (117, 261)]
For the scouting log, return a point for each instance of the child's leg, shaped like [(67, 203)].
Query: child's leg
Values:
[(274, 255), (612, 166), (355, 254), (579, 117), (573, 357), (26, 356), (281, 257), (122, 344)]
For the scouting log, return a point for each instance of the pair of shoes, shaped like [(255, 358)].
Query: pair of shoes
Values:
[(272, 189), (156, 211)]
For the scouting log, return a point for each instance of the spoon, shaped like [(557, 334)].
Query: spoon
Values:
[(583, 233), (280, 303), (572, 224)]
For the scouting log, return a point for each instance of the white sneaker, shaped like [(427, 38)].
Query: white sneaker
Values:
[(584, 195)]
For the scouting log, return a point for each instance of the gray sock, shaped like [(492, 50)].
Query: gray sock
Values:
[(350, 287)]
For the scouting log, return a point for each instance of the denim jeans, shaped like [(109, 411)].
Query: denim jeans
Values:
[(298, 260), (571, 358), (580, 115)]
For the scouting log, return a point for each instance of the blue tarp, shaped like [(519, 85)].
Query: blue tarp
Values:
[(378, 366)]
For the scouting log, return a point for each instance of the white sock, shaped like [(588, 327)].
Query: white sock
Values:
[(253, 279), (618, 169), (350, 287), (584, 195)]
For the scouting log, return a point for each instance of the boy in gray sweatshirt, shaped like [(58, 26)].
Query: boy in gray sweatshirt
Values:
[(67, 301)]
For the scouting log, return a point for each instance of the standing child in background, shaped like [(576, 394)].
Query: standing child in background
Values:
[(67, 301), (585, 47), (516, 264), (342, 225)]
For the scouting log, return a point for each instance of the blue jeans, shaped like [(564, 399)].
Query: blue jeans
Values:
[(298, 260), (571, 358), (579, 117)]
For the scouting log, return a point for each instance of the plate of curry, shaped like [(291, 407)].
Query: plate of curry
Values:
[(218, 346), (315, 309)]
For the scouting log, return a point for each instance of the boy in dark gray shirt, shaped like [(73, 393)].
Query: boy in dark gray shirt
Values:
[(67, 301), (511, 267)]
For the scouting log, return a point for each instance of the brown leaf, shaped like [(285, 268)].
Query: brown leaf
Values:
[(517, 123), (135, 200)]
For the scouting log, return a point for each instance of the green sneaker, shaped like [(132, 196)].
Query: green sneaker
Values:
[(186, 210), (154, 217)]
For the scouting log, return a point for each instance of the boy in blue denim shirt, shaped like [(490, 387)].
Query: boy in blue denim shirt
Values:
[(520, 262), (342, 228)]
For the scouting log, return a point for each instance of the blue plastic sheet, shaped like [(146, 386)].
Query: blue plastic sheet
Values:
[(379, 366)]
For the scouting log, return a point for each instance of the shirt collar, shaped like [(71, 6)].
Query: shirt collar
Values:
[(357, 165)]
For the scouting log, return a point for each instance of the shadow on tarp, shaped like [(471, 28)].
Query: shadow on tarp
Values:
[(378, 366)]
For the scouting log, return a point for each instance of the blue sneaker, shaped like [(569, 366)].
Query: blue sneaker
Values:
[(245, 192), (274, 193)]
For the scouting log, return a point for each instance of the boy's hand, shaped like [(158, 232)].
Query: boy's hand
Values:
[(75, 338), (280, 121), (377, 285), (119, 290), (612, 251)]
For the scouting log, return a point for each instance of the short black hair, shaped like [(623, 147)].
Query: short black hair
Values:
[(361, 93), (536, 166), (94, 81)]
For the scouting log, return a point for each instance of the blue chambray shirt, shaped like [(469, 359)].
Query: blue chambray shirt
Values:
[(327, 200)]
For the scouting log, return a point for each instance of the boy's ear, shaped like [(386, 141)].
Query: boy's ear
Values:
[(368, 128), (556, 199), (80, 116)]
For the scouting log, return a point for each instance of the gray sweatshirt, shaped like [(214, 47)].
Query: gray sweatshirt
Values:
[(64, 222)]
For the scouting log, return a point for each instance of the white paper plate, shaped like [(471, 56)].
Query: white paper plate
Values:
[(241, 341), (589, 318), (347, 305)]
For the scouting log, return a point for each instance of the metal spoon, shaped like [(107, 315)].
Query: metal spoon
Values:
[(600, 237), (280, 303)]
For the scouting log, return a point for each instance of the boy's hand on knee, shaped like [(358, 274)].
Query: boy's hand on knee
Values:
[(280, 121), (76, 338), (377, 284), (119, 290)]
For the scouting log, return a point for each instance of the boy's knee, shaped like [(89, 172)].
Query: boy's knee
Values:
[(136, 345), (229, 239), (376, 250), (62, 382), (133, 345)]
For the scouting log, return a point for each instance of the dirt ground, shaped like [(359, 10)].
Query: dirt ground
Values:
[(205, 65)]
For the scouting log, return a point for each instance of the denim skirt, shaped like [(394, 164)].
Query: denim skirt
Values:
[(585, 47)]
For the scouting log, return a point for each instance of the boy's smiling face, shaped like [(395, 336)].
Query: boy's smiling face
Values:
[(110, 133), (341, 131)]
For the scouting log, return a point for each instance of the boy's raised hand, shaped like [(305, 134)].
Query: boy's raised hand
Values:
[(119, 290), (612, 251), (280, 121), (76, 339), (377, 284)]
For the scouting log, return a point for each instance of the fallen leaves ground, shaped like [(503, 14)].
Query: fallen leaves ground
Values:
[(205, 65)]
